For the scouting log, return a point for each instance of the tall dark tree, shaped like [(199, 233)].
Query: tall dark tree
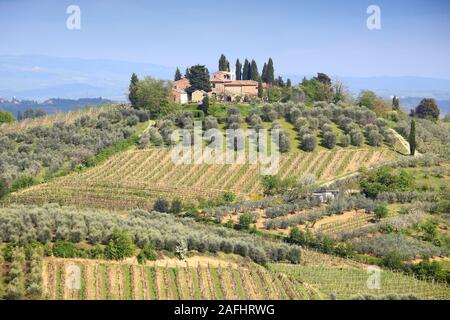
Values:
[(304, 81), (238, 70), (270, 77), (412, 138), (324, 79), (254, 74), (199, 78), (246, 70), (264, 73), (395, 103), (132, 90), (260, 88), (3, 188), (280, 82), (288, 83), (224, 64), (186, 73), (428, 109), (178, 75), (326, 90), (205, 105)]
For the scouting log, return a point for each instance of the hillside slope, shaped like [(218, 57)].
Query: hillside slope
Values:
[(102, 280), (136, 178)]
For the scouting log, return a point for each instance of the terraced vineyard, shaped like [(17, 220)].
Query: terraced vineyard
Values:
[(120, 281), (346, 282), (356, 221), (136, 178)]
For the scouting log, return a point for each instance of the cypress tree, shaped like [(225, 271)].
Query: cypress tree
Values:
[(395, 103), (270, 72), (288, 83), (178, 75), (238, 70), (260, 88), (254, 74), (186, 73), (205, 105), (224, 64), (246, 70), (264, 73), (221, 63), (412, 138), (132, 90)]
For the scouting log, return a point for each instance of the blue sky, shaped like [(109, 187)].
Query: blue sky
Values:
[(303, 37)]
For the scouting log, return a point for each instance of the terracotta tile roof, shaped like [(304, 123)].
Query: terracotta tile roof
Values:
[(178, 91), (182, 84), (181, 81)]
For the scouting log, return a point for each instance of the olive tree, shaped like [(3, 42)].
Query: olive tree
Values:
[(329, 140), (309, 143)]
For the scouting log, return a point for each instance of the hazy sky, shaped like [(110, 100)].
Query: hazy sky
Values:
[(303, 37)]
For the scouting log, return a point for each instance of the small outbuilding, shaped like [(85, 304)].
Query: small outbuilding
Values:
[(197, 96), (325, 196)]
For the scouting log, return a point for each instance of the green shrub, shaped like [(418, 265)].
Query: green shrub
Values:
[(3, 188), (147, 253), (8, 251), (430, 270), (96, 253), (120, 246), (64, 249), (176, 206), (6, 117), (245, 220), (161, 205), (23, 182), (229, 197), (381, 212), (385, 179), (393, 261)]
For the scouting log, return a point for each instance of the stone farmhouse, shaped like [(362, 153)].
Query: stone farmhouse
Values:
[(224, 88), (179, 91)]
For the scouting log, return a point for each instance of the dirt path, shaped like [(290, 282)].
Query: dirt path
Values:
[(404, 143), (151, 123)]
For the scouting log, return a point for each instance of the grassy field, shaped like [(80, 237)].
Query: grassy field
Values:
[(102, 280), (135, 178)]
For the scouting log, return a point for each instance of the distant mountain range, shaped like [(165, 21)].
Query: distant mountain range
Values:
[(37, 77), (51, 106), (412, 102)]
